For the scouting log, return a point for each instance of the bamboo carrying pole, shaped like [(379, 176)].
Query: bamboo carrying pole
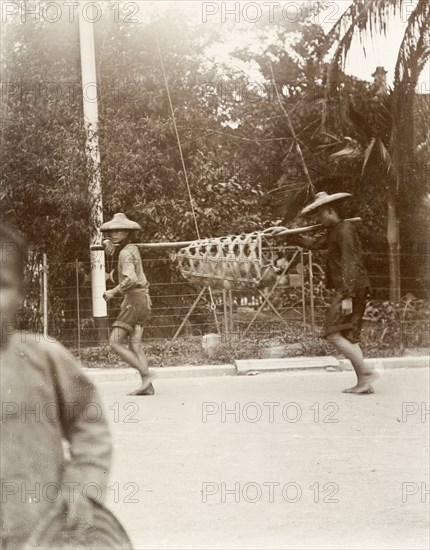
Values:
[(277, 232)]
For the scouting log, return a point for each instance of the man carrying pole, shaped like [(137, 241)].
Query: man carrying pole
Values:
[(136, 305), (345, 272)]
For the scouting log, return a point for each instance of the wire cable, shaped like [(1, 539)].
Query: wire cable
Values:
[(177, 138), (213, 306)]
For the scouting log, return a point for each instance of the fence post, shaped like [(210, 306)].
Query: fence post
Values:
[(45, 296), (226, 327), (78, 307), (302, 271), (230, 303), (311, 294)]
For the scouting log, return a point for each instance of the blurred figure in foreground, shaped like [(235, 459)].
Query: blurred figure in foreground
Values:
[(56, 446)]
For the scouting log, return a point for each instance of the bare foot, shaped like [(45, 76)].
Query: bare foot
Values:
[(149, 391), (361, 390), (364, 384), (146, 385)]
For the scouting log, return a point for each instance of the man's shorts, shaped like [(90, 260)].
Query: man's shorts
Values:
[(348, 325), (135, 310)]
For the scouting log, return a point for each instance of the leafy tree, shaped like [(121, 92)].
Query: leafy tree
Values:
[(398, 152), (44, 180)]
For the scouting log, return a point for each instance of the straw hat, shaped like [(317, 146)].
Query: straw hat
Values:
[(323, 198), (120, 222), (105, 533)]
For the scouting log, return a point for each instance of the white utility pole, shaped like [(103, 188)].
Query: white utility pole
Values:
[(90, 98)]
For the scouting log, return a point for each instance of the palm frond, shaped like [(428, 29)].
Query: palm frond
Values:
[(377, 159), (381, 107), (362, 16), (352, 150), (415, 47), (413, 55), (360, 122), (290, 197), (371, 117)]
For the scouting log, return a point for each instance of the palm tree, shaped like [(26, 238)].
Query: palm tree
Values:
[(370, 16)]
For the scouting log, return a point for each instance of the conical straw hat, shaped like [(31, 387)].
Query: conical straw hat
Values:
[(323, 198), (120, 222)]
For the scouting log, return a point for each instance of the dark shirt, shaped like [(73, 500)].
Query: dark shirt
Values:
[(345, 269)]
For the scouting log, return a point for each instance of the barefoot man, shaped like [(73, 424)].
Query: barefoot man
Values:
[(136, 305), (345, 272)]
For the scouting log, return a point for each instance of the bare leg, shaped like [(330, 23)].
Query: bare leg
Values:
[(136, 348), (365, 376), (117, 340)]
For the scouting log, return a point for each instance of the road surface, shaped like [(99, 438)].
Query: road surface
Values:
[(281, 460)]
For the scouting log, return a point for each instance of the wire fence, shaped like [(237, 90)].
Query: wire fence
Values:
[(300, 300)]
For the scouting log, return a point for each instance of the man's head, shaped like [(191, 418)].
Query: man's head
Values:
[(118, 236), (12, 263), (327, 215)]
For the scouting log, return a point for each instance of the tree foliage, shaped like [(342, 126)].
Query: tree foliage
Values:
[(244, 168), (391, 137)]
